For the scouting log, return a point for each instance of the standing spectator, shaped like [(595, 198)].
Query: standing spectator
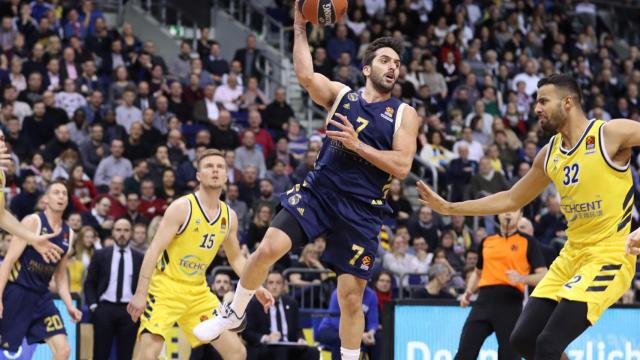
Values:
[(249, 58), (280, 324), (113, 165), (249, 154), (127, 113), (111, 282), (278, 113), (70, 100), (25, 202)]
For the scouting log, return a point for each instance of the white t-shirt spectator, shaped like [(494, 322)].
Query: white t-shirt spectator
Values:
[(475, 149), (226, 96), (531, 82)]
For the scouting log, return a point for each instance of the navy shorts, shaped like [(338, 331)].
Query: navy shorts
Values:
[(27, 314), (351, 227)]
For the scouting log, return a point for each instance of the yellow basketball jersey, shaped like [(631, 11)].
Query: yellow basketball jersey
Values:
[(196, 244), (596, 195)]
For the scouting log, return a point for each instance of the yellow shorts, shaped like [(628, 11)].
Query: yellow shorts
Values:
[(597, 274), (170, 302)]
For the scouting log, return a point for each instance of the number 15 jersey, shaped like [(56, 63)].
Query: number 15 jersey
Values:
[(196, 244), (596, 195)]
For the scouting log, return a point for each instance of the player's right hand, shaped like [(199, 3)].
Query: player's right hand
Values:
[(298, 19), (136, 306), (465, 300), (431, 199), (50, 252), (632, 245)]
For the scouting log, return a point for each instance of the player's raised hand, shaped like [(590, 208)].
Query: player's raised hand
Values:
[(76, 315), (633, 243), (50, 252), (431, 199), (136, 306), (298, 19), (265, 298), (347, 134)]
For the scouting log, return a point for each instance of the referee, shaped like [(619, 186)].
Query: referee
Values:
[(507, 262)]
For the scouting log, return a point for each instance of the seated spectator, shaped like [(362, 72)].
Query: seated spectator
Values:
[(279, 178), (134, 148), (98, 218), (223, 137), (186, 174), (264, 141), (424, 225), (422, 254), (399, 203), (304, 167), (463, 234), (176, 147), (399, 262), (550, 228), (453, 252), (24, 203), (250, 154), (167, 189), (139, 238), (229, 94), (461, 171), (132, 183), (120, 84), (81, 189), (239, 206), (113, 165), (127, 113), (234, 175), (177, 103), (150, 205), (85, 244), (215, 63), (151, 136), (69, 99), (253, 98), (34, 89), (298, 141), (64, 163), (328, 331), (18, 141), (279, 324), (267, 197), (36, 129), (435, 154), (221, 285), (113, 130), (257, 228), (61, 142), (278, 113), (118, 198), (485, 183), (383, 287), (205, 111), (159, 163), (475, 148), (78, 127), (436, 288)]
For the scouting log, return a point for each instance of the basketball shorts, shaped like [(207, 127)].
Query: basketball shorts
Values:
[(170, 301), (29, 314), (597, 274), (351, 227)]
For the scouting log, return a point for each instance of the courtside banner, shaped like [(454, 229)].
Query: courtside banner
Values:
[(430, 330)]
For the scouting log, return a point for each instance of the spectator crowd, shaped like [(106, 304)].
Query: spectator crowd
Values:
[(99, 107)]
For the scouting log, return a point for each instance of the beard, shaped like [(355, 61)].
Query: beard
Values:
[(378, 82), (554, 120)]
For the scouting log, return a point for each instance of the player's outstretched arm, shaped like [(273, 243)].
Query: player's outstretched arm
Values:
[(49, 251), (322, 90), (237, 261), (173, 218), (520, 194), (61, 278), (396, 162), (16, 248)]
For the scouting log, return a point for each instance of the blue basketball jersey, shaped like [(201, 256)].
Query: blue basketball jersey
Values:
[(342, 170), (31, 271)]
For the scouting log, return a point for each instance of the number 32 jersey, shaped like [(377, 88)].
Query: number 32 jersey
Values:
[(340, 169), (596, 195), (196, 244)]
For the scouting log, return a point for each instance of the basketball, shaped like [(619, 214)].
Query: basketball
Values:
[(323, 12)]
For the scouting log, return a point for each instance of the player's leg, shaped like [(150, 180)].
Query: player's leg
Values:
[(350, 293), (59, 345), (149, 346), (566, 323), (530, 324), (474, 333), (229, 346)]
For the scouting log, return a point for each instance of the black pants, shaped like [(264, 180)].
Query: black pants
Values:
[(112, 321), (496, 310), (546, 328), (269, 352)]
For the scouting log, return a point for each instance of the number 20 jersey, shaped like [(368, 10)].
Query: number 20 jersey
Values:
[(596, 195), (196, 244), (339, 169)]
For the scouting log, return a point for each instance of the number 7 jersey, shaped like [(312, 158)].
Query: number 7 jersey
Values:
[(196, 243), (596, 195)]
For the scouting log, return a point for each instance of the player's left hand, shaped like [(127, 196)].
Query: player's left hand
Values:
[(76, 315), (633, 243), (347, 136), (514, 277), (265, 298)]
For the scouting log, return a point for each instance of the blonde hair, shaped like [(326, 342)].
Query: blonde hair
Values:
[(210, 152)]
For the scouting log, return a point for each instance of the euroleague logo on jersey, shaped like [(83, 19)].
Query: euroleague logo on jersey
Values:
[(388, 114), (366, 262), (590, 142)]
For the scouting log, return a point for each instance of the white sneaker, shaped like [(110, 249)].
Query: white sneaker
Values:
[(225, 319)]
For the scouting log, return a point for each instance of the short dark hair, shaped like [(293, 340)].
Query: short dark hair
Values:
[(565, 82), (380, 43)]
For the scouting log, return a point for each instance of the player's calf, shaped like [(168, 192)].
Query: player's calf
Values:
[(59, 346)]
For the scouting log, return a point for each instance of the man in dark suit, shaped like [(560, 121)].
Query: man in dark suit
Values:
[(249, 58), (111, 282), (280, 324)]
